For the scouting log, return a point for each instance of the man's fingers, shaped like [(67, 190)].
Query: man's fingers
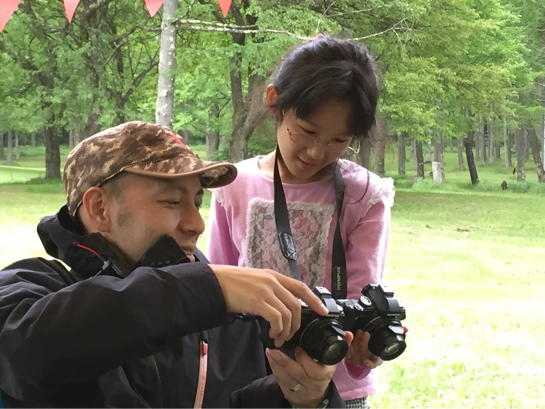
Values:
[(302, 291)]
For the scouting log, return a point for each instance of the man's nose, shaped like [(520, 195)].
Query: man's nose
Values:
[(192, 222)]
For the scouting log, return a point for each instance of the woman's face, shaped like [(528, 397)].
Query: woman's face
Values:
[(309, 145)]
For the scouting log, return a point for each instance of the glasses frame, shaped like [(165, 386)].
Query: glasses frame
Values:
[(315, 142)]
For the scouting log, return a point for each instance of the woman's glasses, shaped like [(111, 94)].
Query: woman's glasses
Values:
[(303, 139)]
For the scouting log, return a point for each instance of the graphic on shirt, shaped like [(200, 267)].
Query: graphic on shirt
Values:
[(310, 224)]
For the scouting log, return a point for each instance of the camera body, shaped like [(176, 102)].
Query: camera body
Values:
[(377, 311)]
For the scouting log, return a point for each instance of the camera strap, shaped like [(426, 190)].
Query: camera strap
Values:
[(282, 221), (338, 261), (285, 238)]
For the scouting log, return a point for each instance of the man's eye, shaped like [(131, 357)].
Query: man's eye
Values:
[(172, 202)]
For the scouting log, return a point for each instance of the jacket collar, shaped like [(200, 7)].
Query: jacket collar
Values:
[(87, 254)]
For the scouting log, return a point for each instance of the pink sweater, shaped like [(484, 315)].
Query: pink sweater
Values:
[(243, 233)]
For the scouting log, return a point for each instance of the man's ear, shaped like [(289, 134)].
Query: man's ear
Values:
[(271, 94), (95, 210)]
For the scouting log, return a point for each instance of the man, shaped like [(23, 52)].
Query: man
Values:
[(141, 320)]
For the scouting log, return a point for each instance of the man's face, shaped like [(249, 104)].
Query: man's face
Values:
[(146, 208)]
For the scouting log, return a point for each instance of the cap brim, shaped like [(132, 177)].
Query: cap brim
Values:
[(212, 174)]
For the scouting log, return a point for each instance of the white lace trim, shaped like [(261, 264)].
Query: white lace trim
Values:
[(217, 195), (383, 189)]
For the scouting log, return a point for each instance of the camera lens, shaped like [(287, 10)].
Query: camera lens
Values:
[(323, 340), (336, 350), (391, 349), (387, 338)]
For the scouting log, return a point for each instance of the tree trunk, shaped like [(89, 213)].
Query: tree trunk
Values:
[(497, 151), (17, 146), (213, 135), (526, 145), (534, 144), (491, 151), (401, 155), (164, 114), (52, 153), (92, 126), (413, 154), (460, 146), (2, 157), (33, 140), (482, 141), (543, 140), (10, 147), (419, 159), (212, 143), (439, 147), (380, 148), (438, 172), (363, 157), (71, 136), (428, 152), (185, 134), (378, 133), (506, 146), (247, 112), (468, 143), (519, 148)]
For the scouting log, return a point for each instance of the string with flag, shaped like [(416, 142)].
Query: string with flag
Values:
[(8, 7)]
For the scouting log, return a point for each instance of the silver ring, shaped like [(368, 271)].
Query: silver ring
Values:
[(295, 388)]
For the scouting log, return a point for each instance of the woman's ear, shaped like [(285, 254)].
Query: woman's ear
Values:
[(271, 94), (95, 210)]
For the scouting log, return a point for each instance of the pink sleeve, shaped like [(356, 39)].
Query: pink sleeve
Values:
[(367, 248), (221, 249), (366, 258)]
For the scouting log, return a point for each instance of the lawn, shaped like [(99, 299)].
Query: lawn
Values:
[(468, 264)]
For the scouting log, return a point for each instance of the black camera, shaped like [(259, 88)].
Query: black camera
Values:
[(377, 311)]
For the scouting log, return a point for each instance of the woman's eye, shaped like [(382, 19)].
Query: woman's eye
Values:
[(308, 132), (172, 202)]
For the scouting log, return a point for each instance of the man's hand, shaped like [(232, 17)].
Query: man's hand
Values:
[(268, 294), (314, 378), (304, 382)]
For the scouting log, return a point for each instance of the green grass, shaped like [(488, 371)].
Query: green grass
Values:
[(468, 264)]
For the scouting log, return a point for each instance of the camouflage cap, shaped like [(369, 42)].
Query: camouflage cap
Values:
[(136, 147)]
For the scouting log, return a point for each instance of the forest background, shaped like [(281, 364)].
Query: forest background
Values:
[(461, 100)]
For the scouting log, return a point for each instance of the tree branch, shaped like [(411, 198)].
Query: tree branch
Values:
[(382, 32), (136, 81), (350, 12)]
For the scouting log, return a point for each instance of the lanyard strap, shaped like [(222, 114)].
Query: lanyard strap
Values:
[(282, 220), (338, 261), (285, 238)]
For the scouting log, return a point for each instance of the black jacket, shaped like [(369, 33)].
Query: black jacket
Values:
[(121, 338)]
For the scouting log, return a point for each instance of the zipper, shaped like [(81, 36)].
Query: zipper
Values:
[(203, 370), (159, 390)]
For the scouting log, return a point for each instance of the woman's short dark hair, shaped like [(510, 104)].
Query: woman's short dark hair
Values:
[(326, 69)]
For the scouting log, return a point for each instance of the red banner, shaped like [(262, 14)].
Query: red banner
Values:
[(70, 8), (224, 5), (7, 8), (153, 6)]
